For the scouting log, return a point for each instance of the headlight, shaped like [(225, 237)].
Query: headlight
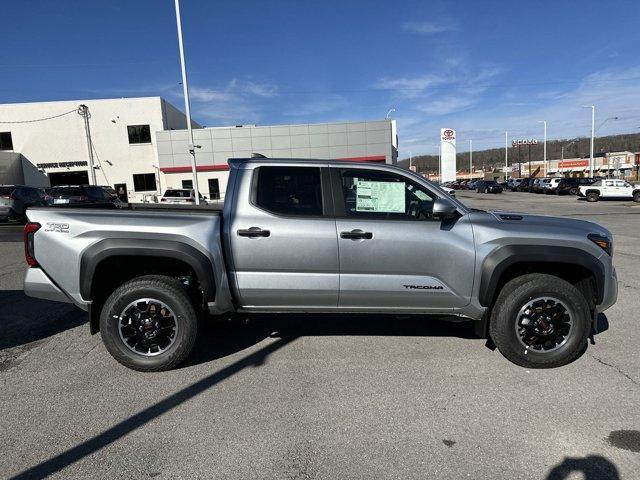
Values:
[(603, 242)]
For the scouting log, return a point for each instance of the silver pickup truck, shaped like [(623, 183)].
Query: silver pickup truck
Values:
[(323, 236)]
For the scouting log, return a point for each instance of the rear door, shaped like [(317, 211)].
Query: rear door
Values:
[(609, 189), (393, 254), (282, 236)]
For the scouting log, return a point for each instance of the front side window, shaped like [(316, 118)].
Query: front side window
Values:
[(139, 133), (144, 182), (290, 190), (383, 195), (6, 142)]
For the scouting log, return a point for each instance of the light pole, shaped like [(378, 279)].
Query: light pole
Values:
[(471, 157), (506, 155), (439, 162), (410, 161), (544, 159), (187, 109), (389, 113), (593, 133)]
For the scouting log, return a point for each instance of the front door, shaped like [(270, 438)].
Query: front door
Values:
[(121, 192), (393, 254), (284, 252)]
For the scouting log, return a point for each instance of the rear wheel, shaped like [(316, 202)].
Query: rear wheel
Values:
[(593, 196), (149, 323), (574, 191), (540, 321), (636, 196)]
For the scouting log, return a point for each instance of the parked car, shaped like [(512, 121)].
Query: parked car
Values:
[(540, 185), (524, 184), (572, 185), (290, 239), (83, 195), (610, 189), (513, 184), (181, 195), (488, 186), (471, 184), (533, 185), (448, 189), (552, 185), (15, 199)]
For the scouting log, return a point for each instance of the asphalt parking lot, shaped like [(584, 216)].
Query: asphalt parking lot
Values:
[(313, 397)]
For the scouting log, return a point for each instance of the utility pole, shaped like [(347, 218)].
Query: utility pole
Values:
[(410, 161), (439, 163), (83, 111), (593, 132), (187, 109), (471, 157), (506, 155)]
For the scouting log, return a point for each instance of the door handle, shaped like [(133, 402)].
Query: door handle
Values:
[(254, 232), (356, 235)]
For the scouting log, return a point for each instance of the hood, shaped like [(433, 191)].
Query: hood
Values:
[(548, 224)]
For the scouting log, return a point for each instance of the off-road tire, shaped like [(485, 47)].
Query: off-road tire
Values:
[(593, 197), (517, 293), (165, 289)]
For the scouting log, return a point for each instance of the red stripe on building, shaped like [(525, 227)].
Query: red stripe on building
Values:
[(199, 168), (211, 168)]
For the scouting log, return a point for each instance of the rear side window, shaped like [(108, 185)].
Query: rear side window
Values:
[(290, 190)]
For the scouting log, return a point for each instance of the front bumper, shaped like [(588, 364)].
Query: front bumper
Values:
[(37, 284), (610, 290)]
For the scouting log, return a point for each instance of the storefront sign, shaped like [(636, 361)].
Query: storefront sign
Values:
[(61, 164), (573, 163), (517, 143)]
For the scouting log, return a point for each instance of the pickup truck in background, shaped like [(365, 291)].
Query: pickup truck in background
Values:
[(610, 188), (322, 236)]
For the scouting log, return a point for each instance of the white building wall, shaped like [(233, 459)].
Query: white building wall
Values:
[(63, 139), (358, 141)]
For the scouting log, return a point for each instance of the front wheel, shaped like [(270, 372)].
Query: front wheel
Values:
[(149, 323), (593, 196), (636, 196), (540, 321), (574, 191)]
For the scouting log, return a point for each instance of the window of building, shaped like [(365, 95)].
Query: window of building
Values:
[(187, 183), (383, 195), (214, 189), (290, 190), (6, 142), (139, 133), (144, 182)]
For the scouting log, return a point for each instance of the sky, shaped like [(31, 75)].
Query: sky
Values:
[(480, 67)]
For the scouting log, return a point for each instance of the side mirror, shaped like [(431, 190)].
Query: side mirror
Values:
[(443, 209)]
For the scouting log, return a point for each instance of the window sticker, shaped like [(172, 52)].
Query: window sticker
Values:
[(384, 197)]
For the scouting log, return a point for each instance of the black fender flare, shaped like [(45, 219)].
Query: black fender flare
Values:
[(142, 247), (499, 260)]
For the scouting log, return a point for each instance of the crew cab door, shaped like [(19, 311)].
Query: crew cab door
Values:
[(608, 189), (282, 238), (393, 254)]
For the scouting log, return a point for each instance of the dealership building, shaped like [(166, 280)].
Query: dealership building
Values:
[(370, 141), (140, 146)]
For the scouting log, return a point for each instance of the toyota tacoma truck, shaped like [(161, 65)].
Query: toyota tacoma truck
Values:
[(610, 189), (322, 236)]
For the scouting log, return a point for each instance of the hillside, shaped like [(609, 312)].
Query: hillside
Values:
[(494, 157)]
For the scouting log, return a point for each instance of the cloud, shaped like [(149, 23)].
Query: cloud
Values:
[(485, 117), (410, 87), (429, 28), (239, 101)]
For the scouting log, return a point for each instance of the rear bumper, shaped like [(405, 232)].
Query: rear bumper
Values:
[(38, 285)]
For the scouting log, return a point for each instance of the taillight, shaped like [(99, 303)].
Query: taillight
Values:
[(29, 253)]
